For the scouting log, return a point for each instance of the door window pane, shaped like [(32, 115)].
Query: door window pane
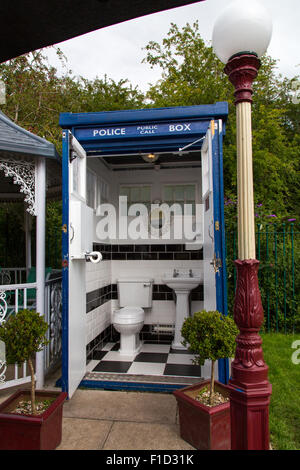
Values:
[(181, 194)]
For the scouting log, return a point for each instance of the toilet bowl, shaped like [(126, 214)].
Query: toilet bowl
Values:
[(134, 294), (129, 321)]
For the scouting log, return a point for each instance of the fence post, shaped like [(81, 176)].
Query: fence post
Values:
[(276, 274), (267, 276), (293, 276)]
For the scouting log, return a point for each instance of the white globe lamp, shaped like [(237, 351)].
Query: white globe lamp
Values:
[(244, 26)]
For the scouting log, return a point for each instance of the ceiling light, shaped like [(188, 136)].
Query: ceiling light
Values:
[(150, 157)]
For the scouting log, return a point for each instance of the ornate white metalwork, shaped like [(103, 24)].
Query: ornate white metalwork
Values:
[(3, 306), (5, 277), (55, 321), (23, 174), (3, 367)]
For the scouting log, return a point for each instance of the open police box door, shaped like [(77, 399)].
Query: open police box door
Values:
[(214, 256), (79, 240)]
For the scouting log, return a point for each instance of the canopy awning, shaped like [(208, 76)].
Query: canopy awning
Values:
[(19, 150), (16, 140), (36, 24)]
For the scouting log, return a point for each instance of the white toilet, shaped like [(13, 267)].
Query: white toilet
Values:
[(134, 295)]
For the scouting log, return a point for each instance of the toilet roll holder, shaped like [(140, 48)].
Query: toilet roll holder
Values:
[(93, 256)]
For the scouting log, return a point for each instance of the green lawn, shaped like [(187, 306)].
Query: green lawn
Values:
[(285, 400)]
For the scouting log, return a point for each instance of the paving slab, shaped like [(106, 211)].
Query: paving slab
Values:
[(145, 436), (84, 434), (122, 406)]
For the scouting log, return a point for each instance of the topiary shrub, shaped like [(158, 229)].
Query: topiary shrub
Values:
[(24, 335), (209, 335)]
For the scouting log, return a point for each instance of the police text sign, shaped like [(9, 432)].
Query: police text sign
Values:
[(141, 130)]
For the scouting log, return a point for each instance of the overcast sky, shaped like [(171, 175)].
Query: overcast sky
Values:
[(117, 50)]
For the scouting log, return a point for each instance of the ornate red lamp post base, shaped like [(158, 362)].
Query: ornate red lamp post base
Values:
[(250, 389)]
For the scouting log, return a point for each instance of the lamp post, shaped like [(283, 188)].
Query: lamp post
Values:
[(241, 36)]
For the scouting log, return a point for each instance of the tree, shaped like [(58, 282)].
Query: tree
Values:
[(24, 334), (193, 75), (209, 335), (36, 94)]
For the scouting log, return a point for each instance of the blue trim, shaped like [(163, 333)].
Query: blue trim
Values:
[(224, 366), (211, 111), (167, 144), (222, 224), (218, 192), (130, 386), (65, 258)]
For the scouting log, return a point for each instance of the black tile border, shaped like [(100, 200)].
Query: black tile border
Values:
[(107, 335), (147, 252), (104, 294), (100, 296)]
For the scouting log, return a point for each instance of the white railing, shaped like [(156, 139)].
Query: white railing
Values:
[(13, 275), (14, 297)]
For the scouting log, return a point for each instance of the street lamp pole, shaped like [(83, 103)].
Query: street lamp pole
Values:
[(245, 26)]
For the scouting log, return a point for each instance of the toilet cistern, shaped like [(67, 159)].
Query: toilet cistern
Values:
[(134, 295)]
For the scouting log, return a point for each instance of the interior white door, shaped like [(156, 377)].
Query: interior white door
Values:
[(78, 245), (208, 232)]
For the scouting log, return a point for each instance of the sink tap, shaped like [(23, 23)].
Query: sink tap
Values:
[(191, 273), (175, 273)]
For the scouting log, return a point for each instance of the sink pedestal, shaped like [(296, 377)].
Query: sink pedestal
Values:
[(182, 284), (182, 312)]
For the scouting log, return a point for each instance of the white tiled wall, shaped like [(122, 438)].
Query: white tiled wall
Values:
[(151, 269), (97, 320), (107, 272), (97, 275)]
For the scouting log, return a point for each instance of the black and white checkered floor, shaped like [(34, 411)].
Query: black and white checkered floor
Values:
[(154, 359)]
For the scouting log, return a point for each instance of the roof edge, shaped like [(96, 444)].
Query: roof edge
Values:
[(218, 110), (47, 149)]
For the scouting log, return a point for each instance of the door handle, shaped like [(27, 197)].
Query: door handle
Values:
[(216, 263), (73, 232)]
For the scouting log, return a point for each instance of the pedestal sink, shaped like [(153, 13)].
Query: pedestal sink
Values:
[(182, 283)]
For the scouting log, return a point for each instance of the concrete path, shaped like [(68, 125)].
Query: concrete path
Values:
[(112, 420)]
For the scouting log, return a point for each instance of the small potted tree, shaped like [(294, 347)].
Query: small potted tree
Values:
[(29, 419), (204, 408)]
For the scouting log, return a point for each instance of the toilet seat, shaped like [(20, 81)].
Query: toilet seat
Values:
[(129, 315)]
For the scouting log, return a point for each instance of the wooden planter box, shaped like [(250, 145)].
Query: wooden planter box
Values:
[(204, 427), (31, 432)]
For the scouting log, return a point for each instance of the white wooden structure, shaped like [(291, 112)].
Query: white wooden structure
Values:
[(29, 169)]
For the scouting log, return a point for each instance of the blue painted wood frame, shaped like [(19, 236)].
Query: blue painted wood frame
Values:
[(65, 259), (219, 233), (218, 110)]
